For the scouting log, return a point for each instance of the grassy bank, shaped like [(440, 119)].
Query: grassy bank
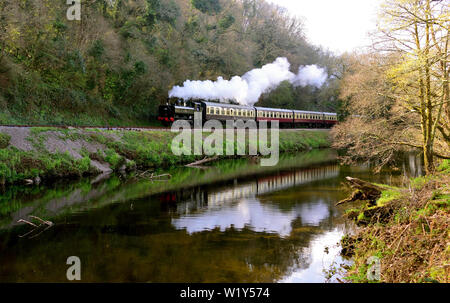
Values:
[(48, 153), (408, 230)]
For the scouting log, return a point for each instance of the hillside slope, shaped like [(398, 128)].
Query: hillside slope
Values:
[(117, 64)]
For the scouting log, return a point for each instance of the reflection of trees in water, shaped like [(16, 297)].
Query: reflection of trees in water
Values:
[(137, 241), (59, 198), (117, 244), (118, 254)]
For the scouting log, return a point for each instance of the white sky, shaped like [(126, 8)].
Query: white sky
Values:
[(337, 25)]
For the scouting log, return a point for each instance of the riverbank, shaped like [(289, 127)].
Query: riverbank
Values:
[(407, 230), (35, 154)]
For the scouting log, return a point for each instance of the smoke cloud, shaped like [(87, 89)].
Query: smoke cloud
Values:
[(247, 89), (310, 75)]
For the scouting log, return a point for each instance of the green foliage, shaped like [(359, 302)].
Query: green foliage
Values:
[(114, 159), (444, 166), (420, 182), (16, 165), (137, 52), (388, 196), (4, 140), (210, 7), (97, 50), (226, 21)]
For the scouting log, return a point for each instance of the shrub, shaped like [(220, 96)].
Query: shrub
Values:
[(4, 140)]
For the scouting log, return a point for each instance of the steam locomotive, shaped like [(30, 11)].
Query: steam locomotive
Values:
[(184, 110)]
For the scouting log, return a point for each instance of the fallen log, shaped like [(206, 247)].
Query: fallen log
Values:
[(203, 161), (363, 191)]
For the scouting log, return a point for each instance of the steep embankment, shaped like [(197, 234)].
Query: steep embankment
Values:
[(32, 154), (407, 229)]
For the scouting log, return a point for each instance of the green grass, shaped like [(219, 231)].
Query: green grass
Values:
[(4, 140), (419, 182), (17, 165), (388, 196), (143, 150), (444, 166)]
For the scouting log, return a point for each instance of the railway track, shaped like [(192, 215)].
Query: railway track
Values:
[(149, 128), (135, 128)]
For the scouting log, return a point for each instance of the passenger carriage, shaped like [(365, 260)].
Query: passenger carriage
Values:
[(186, 110)]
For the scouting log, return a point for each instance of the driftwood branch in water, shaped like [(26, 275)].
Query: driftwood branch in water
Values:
[(363, 190), (44, 223), (203, 161), (151, 176)]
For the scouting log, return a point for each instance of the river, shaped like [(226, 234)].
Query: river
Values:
[(233, 222)]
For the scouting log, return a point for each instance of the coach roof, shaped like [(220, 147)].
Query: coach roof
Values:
[(216, 104), (274, 109)]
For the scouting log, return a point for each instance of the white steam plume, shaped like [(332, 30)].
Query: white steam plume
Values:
[(247, 89), (310, 75)]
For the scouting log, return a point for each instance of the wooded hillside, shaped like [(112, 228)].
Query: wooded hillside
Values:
[(118, 63)]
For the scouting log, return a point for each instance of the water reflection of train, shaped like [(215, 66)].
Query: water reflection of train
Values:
[(185, 201)]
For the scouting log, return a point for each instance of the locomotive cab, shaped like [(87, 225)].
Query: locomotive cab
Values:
[(177, 109), (166, 113)]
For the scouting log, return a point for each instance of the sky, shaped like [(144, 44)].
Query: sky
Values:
[(337, 25)]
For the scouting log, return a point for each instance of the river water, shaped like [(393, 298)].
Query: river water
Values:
[(233, 222)]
